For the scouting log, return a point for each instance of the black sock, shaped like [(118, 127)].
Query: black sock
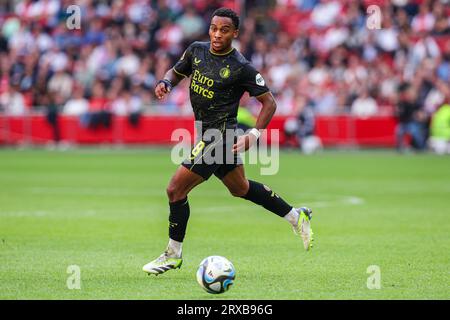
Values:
[(178, 218), (262, 195)]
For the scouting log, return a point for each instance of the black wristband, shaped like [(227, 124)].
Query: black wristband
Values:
[(167, 84)]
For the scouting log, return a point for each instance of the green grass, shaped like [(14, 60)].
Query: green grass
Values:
[(106, 211)]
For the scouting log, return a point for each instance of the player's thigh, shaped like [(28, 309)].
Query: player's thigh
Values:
[(236, 182), (182, 182)]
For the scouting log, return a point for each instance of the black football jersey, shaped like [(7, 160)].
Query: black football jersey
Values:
[(217, 83)]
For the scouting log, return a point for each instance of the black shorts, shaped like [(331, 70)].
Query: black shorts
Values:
[(213, 157)]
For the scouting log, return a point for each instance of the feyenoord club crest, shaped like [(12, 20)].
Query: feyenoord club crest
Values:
[(225, 72)]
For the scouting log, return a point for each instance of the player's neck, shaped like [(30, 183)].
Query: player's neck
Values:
[(221, 52)]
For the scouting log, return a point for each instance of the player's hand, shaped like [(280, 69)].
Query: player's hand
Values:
[(161, 90), (243, 143)]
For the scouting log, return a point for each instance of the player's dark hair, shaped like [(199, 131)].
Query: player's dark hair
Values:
[(228, 13)]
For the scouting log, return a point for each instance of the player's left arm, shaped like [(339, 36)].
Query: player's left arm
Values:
[(254, 84), (268, 109), (269, 106)]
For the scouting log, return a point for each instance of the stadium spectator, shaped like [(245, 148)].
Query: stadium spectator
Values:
[(77, 104), (387, 37), (443, 68), (62, 83), (410, 119), (325, 13), (424, 21), (169, 37), (246, 120), (52, 115), (128, 62), (441, 27), (364, 106), (12, 101), (300, 128), (325, 102), (440, 130), (306, 118), (4, 73), (127, 105), (191, 24), (435, 97), (99, 114)]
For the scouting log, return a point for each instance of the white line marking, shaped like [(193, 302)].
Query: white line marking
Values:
[(312, 199)]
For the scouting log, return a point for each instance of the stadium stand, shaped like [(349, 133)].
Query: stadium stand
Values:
[(317, 54)]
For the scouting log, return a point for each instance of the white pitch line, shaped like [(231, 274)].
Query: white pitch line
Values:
[(323, 199), (23, 213)]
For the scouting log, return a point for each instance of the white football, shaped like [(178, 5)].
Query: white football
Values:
[(215, 274)]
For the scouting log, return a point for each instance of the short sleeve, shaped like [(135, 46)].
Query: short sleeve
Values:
[(184, 66), (253, 82)]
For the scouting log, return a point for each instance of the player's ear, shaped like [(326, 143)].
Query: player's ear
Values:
[(235, 33)]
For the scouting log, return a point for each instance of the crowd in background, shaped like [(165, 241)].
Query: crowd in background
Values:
[(318, 55)]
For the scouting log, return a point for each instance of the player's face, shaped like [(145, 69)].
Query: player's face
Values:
[(222, 33)]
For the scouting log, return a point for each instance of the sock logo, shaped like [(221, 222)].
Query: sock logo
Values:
[(266, 187), (172, 224)]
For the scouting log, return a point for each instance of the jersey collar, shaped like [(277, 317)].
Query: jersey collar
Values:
[(221, 54)]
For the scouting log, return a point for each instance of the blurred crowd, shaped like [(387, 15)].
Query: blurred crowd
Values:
[(319, 55)]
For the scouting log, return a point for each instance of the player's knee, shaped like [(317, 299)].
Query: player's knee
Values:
[(174, 193), (240, 191)]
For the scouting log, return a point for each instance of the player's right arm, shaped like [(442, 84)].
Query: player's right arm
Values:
[(182, 69), (171, 79)]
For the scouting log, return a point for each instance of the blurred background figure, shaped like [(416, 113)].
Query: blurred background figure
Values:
[(300, 128), (77, 104), (99, 114), (246, 120), (440, 130), (12, 101), (411, 120), (127, 105), (364, 106), (55, 104)]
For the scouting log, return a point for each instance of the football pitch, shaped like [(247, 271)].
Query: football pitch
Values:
[(379, 218)]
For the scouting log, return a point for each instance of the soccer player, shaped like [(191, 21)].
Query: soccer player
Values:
[(219, 76)]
